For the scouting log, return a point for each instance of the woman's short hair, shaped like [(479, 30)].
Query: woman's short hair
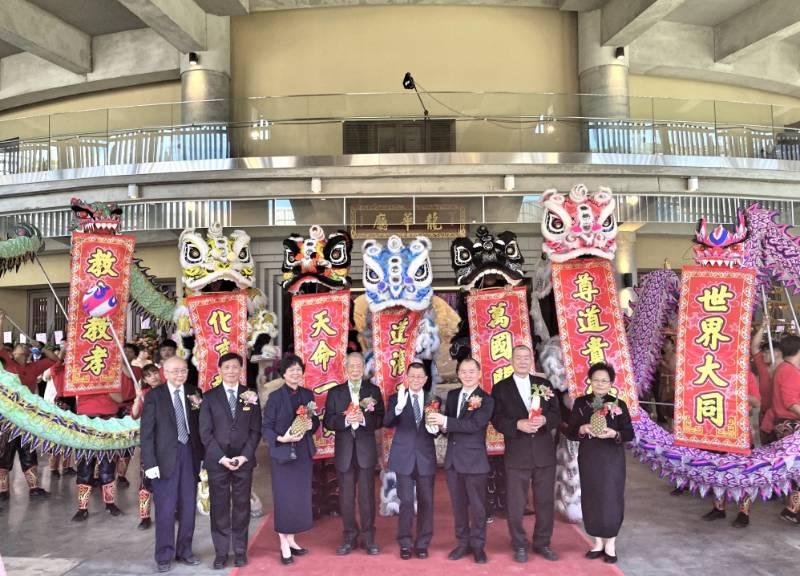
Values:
[(602, 367), (150, 369), (288, 361)]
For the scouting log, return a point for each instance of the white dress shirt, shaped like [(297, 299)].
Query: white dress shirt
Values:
[(524, 389), (468, 392)]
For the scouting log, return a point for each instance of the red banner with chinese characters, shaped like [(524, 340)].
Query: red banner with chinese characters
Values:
[(590, 326), (93, 363), (498, 321), (219, 321), (712, 411), (321, 324), (394, 332)]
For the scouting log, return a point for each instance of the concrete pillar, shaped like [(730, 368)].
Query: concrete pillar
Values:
[(602, 78), (210, 78)]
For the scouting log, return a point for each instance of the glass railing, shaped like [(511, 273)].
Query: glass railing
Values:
[(330, 125)]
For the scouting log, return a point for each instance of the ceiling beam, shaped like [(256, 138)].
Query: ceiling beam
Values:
[(755, 28), (225, 7), (37, 31), (580, 5), (182, 23), (623, 21)]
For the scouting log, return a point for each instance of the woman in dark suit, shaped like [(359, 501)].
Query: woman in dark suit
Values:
[(601, 460), (292, 456)]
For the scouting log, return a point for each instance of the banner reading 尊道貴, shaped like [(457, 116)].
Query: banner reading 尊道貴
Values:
[(219, 321), (498, 321), (394, 332), (712, 411), (93, 364), (590, 326), (321, 324)]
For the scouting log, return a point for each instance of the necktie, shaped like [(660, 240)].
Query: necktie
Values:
[(180, 416), (232, 402), (417, 410), (463, 405), (354, 389)]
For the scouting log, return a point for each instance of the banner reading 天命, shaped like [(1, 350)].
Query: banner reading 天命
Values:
[(711, 403), (498, 321), (321, 324), (590, 326), (93, 364)]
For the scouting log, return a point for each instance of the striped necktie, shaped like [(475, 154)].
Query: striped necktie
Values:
[(180, 417), (232, 402)]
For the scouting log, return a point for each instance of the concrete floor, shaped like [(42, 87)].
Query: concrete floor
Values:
[(663, 535)]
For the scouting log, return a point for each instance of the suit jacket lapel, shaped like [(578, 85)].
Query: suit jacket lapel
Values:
[(520, 399), (171, 410)]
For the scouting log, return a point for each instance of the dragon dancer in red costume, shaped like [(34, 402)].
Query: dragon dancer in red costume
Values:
[(151, 377)]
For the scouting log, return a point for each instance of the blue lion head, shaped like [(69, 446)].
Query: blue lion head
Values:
[(398, 275)]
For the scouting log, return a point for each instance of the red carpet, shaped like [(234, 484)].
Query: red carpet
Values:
[(569, 542)]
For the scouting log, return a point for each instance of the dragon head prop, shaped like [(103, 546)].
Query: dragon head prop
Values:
[(23, 243), (316, 260), (215, 263), (488, 258), (95, 217), (398, 275), (579, 224), (720, 246)]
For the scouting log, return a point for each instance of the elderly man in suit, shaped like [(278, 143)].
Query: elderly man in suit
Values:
[(413, 458), (355, 454), (526, 412), (467, 413), (230, 427), (172, 453)]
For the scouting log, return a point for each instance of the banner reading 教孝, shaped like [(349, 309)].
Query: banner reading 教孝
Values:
[(321, 325), (93, 364), (498, 321), (219, 320), (712, 411), (590, 326)]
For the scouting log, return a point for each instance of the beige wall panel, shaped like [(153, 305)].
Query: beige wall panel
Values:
[(651, 251), (15, 303)]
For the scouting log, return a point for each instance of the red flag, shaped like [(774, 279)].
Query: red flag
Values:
[(498, 321), (590, 326), (219, 321), (712, 411), (321, 324), (93, 364)]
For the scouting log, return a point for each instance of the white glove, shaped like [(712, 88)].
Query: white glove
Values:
[(432, 429), (50, 392), (152, 473), (402, 400)]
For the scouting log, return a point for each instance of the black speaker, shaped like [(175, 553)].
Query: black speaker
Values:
[(627, 280)]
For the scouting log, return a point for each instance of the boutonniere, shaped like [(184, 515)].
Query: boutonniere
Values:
[(249, 399), (539, 392), (432, 405), (194, 401), (474, 402), (367, 404)]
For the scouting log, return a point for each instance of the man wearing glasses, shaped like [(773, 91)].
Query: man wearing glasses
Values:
[(171, 453)]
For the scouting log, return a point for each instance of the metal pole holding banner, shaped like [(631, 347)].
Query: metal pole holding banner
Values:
[(53, 290), (136, 383), (766, 319), (791, 307)]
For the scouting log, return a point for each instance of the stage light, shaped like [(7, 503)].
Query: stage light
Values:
[(509, 183), (193, 58), (692, 184), (316, 185), (408, 82), (619, 53)]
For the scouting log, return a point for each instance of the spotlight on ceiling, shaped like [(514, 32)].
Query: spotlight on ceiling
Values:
[(619, 53), (193, 58), (408, 82)]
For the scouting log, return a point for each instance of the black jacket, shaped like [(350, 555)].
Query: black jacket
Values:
[(466, 434), (278, 417), (226, 435), (364, 439), (411, 445), (159, 430), (524, 450)]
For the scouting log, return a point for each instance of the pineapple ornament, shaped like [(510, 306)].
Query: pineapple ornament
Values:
[(598, 419)]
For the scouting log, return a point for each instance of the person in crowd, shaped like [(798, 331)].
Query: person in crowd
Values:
[(151, 377), (59, 464), (230, 427), (468, 410), (526, 411), (131, 353), (413, 458), (354, 410), (601, 459), (762, 359), (666, 383), (166, 350), (292, 451), (143, 358), (171, 456)]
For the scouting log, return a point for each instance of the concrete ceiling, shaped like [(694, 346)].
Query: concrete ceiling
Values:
[(7, 49), (708, 12), (94, 17)]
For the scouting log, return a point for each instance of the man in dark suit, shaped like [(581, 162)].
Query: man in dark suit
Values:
[(230, 427), (467, 413), (530, 450), (356, 453), (413, 458), (171, 456)]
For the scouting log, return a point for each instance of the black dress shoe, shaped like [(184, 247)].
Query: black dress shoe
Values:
[(4, 495), (609, 559), (405, 553), (188, 560), (286, 561), (80, 516), (715, 514), (298, 551), (344, 549), (113, 509), (372, 549), (546, 552), (458, 553), (594, 554), (742, 520), (219, 562), (122, 482), (55, 473), (38, 493), (421, 553), (163, 566), (480, 556), (145, 524), (521, 555), (240, 560), (69, 471)]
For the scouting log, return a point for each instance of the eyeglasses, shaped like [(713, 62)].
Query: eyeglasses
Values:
[(177, 371), (604, 381)]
